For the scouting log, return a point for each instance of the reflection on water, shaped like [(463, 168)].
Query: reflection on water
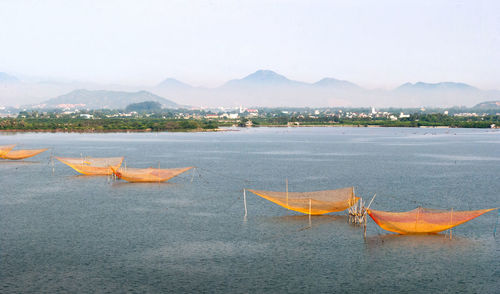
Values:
[(460, 157), (301, 219), (440, 241), (18, 162), (124, 184)]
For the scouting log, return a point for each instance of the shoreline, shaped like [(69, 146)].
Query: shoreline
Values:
[(113, 131), (356, 126), (222, 129)]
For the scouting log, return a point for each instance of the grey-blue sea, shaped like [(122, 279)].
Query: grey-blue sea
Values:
[(65, 233)]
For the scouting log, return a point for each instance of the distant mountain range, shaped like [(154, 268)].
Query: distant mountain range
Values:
[(6, 78), (436, 86), (339, 84), (262, 78), (268, 88), (261, 88), (173, 83), (489, 105), (105, 99)]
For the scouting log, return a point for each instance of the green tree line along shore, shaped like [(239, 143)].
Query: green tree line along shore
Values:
[(157, 124), (415, 120), (105, 125)]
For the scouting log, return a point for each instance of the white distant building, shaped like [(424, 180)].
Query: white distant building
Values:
[(86, 115), (373, 111), (445, 112), (402, 115), (230, 115)]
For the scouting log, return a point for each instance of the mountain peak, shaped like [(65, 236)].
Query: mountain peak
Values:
[(106, 99), (173, 83), (332, 82), (488, 105), (436, 86), (263, 77)]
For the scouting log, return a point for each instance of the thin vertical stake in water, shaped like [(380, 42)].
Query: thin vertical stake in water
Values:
[(245, 201), (286, 181), (451, 223), (309, 212)]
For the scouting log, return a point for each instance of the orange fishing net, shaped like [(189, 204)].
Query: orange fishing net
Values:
[(92, 166), (315, 203), (22, 154), (423, 220), (150, 175), (4, 149)]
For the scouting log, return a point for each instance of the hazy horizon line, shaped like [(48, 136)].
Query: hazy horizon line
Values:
[(28, 78)]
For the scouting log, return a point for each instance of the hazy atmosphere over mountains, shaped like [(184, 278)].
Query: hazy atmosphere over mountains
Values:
[(205, 53), (101, 99), (261, 88)]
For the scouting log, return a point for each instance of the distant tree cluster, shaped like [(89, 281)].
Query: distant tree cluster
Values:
[(144, 107), (68, 124)]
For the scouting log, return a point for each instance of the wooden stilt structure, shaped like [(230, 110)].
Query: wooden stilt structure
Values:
[(357, 212)]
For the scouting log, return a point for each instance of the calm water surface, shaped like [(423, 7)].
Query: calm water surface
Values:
[(60, 232)]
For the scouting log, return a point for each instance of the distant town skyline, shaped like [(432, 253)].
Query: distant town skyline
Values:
[(375, 44)]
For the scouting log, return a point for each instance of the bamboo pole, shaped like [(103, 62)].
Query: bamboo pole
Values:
[(451, 222), (361, 205), (310, 212), (416, 220), (496, 224), (364, 226), (52, 160), (352, 209), (286, 181), (373, 198), (245, 201)]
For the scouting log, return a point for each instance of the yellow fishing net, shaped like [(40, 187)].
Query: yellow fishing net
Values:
[(4, 149), (150, 175), (22, 154), (91, 165), (423, 220), (315, 203)]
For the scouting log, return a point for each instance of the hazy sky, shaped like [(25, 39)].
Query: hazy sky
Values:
[(372, 43)]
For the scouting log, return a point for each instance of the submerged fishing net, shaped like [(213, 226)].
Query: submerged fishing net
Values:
[(315, 203), (22, 154), (148, 174), (423, 220), (4, 149), (92, 166)]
